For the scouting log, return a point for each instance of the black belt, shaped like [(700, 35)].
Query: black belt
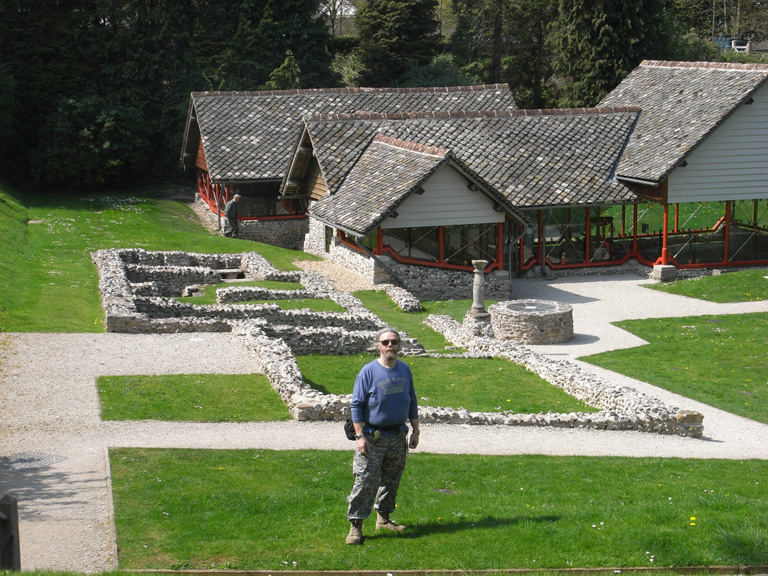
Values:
[(384, 428)]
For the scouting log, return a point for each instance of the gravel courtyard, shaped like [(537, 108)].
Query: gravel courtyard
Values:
[(53, 445)]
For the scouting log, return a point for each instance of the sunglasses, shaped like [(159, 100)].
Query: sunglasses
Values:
[(388, 342)]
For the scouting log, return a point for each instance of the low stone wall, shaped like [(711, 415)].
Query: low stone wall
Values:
[(285, 232), (428, 283), (274, 336), (621, 408), (135, 286)]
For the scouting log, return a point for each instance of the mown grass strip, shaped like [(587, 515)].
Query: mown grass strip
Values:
[(265, 510), (191, 398), (380, 304)]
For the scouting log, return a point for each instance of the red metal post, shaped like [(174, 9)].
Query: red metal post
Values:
[(540, 257), (664, 237), (589, 236), (727, 239), (499, 247), (677, 218)]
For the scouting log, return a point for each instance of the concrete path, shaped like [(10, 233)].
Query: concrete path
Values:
[(53, 445)]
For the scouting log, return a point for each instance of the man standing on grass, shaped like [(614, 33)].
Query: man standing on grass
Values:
[(382, 400), (230, 212)]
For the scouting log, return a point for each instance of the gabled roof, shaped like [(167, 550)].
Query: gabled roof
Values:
[(681, 103), (533, 158), (249, 136), (383, 176)]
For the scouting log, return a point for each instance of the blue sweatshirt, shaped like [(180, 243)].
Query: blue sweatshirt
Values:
[(384, 396)]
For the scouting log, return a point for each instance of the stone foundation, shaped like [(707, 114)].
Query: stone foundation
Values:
[(136, 288)]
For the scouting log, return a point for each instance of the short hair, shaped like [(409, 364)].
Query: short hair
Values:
[(236, 197), (385, 330)]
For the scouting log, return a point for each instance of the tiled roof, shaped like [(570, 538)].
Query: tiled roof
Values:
[(681, 103), (250, 135), (532, 157), (383, 176)]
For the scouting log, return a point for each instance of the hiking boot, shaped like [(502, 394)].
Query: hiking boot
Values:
[(384, 523), (355, 535)]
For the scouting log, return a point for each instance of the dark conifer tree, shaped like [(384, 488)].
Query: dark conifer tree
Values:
[(396, 36), (598, 42)]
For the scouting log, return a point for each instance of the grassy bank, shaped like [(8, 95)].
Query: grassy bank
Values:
[(48, 282)]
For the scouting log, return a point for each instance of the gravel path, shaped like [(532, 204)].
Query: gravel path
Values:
[(53, 445)]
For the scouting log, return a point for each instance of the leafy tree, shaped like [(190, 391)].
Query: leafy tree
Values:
[(42, 56), (507, 41), (478, 40), (691, 47), (88, 143), (347, 66), (143, 56), (598, 42), (8, 105), (735, 18), (396, 36), (440, 72), (144, 61)]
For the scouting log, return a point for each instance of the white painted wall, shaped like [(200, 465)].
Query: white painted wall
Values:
[(732, 163), (446, 201)]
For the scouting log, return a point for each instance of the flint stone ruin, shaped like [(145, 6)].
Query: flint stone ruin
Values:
[(138, 290)]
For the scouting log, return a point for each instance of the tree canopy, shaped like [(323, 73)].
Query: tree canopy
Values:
[(95, 92)]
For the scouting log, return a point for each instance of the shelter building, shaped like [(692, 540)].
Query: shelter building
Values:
[(699, 159), (440, 190), (242, 142), (670, 168)]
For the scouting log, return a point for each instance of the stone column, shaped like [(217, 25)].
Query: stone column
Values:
[(478, 288), (477, 322)]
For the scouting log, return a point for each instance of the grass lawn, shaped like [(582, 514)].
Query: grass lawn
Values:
[(740, 286), (267, 510), (190, 397), (47, 280), (721, 361), (479, 385)]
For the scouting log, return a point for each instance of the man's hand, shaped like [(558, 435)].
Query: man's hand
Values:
[(362, 445), (414, 441)]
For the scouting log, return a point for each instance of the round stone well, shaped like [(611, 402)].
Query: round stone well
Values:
[(532, 321)]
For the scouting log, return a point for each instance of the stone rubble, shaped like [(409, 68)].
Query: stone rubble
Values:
[(137, 289)]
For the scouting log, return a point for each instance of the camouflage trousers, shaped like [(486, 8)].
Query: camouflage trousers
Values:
[(377, 476)]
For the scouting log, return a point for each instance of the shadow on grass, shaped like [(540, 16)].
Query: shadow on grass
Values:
[(319, 387), (420, 529)]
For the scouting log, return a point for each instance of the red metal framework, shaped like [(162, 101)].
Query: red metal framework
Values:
[(695, 235), (408, 246), (216, 196)]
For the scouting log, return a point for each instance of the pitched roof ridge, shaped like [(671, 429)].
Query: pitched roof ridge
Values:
[(735, 66), (365, 115), (352, 90), (411, 146)]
